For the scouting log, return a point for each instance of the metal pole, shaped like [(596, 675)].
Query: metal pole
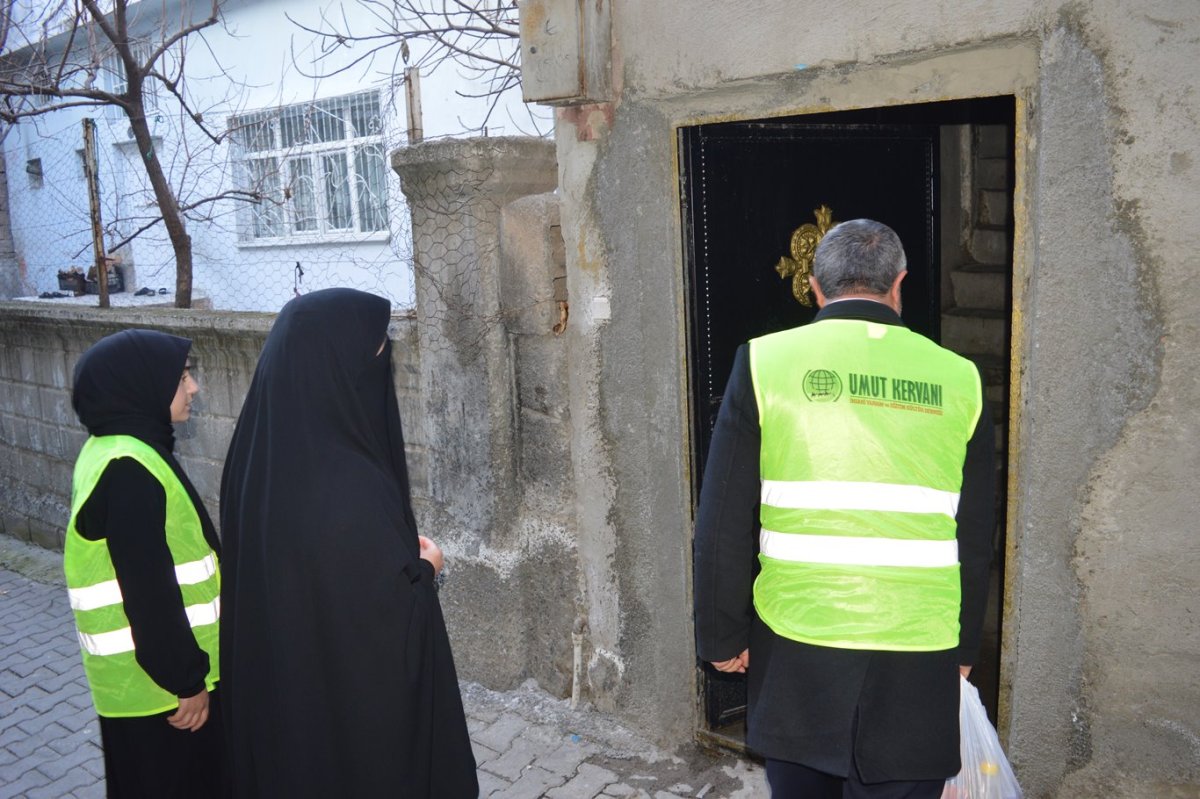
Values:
[(89, 171), (412, 96)]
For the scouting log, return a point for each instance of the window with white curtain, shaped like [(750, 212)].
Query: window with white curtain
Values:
[(318, 168)]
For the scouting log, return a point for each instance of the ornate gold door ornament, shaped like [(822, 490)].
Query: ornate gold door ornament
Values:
[(803, 247)]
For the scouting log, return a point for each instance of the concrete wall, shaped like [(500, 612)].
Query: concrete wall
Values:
[(40, 434), (488, 261), (1102, 633)]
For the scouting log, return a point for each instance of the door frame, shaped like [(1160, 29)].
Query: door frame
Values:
[(1020, 88)]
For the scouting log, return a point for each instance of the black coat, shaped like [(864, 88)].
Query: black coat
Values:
[(897, 711), (337, 676)]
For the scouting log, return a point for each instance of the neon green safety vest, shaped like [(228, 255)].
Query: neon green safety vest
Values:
[(119, 685), (864, 432)]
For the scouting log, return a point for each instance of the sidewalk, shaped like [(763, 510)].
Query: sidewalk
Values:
[(527, 743)]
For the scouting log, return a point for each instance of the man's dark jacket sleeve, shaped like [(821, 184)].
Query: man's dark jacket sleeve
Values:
[(726, 545), (976, 528)]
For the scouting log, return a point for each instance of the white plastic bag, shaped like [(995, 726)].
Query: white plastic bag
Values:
[(985, 773)]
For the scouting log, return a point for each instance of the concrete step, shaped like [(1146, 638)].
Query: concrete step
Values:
[(994, 207), (994, 371), (978, 330), (990, 245), (980, 286)]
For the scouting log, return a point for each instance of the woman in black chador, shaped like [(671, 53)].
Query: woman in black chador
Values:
[(338, 677)]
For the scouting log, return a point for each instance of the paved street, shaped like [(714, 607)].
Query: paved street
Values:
[(527, 743)]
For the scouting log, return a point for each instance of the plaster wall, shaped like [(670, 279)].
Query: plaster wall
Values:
[(1101, 637)]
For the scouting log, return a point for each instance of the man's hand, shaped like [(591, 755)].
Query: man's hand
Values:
[(737, 665), (432, 553), (192, 713)]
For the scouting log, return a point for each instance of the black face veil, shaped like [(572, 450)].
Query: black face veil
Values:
[(334, 651)]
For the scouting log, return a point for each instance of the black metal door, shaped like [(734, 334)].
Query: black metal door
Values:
[(747, 187)]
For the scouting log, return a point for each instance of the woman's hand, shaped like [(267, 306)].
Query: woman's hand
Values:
[(432, 553), (192, 713)]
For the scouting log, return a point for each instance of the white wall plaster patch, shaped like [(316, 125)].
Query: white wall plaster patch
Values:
[(611, 657), (601, 309)]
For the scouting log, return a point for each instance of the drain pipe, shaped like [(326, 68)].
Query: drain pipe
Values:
[(577, 631)]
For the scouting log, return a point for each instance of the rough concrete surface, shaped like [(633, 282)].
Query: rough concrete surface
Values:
[(1108, 343), (1137, 551)]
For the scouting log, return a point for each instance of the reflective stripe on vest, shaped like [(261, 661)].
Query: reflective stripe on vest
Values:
[(115, 642), (831, 495), (864, 431), (111, 643), (109, 592), (851, 551)]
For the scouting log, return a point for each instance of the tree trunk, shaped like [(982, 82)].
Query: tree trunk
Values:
[(168, 206)]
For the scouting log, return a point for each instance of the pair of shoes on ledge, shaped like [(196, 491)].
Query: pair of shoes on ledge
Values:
[(146, 292)]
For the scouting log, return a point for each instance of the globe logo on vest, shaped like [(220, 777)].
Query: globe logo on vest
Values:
[(822, 385)]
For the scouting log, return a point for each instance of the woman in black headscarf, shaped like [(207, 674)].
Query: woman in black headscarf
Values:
[(141, 564), (339, 677)]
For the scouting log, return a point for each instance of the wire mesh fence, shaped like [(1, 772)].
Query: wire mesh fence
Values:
[(296, 198)]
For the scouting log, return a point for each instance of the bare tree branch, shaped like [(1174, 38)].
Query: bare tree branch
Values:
[(172, 86), (236, 194), (185, 32), (13, 116), (481, 37)]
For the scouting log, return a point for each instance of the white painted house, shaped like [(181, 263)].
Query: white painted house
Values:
[(316, 147)]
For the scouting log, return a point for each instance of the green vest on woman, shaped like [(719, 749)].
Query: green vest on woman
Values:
[(864, 431), (119, 685)]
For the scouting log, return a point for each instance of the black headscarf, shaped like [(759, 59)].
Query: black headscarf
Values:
[(337, 676), (124, 385)]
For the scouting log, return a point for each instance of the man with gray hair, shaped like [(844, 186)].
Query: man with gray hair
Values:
[(857, 455)]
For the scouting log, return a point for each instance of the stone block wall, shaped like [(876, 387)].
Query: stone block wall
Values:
[(40, 434)]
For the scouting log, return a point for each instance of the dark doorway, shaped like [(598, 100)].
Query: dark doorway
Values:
[(748, 188)]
